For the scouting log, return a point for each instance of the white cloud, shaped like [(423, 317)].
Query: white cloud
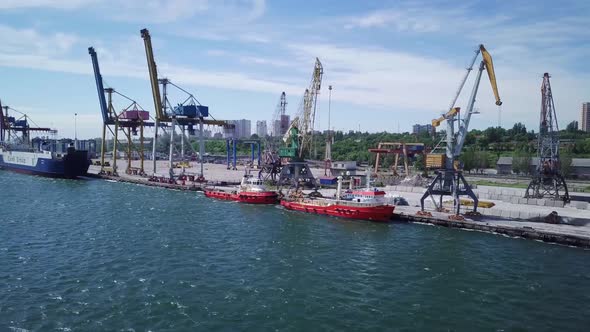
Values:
[(160, 11), (401, 20), (266, 61), (388, 82), (30, 41), (422, 18), (56, 4), (153, 11), (30, 50)]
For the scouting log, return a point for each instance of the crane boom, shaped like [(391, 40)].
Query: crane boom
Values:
[(307, 113), (149, 53), (489, 66), (487, 58), (99, 87), (449, 114)]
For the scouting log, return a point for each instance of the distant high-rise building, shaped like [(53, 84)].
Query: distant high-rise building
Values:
[(261, 129), (242, 129), (585, 125), (281, 125), (419, 129)]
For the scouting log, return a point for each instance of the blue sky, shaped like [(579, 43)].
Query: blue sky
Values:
[(391, 63)]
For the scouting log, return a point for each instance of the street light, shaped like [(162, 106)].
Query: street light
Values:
[(329, 106)]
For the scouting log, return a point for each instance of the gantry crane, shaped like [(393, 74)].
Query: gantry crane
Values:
[(299, 136), (450, 181), (11, 125), (132, 117), (548, 182), (188, 113)]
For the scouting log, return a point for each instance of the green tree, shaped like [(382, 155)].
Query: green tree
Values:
[(565, 160), (482, 160), (572, 127), (521, 161), (468, 158)]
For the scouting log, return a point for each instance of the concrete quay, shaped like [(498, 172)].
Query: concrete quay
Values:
[(512, 217)]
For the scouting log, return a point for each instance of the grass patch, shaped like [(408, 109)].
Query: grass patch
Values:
[(499, 184)]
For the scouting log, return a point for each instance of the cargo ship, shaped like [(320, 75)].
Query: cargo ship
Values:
[(251, 191), (365, 204), (19, 155)]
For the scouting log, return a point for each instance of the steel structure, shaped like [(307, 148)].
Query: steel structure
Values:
[(231, 150), (271, 165), (186, 114), (11, 125), (450, 181), (299, 136), (547, 182), (129, 120), (406, 150), (329, 139)]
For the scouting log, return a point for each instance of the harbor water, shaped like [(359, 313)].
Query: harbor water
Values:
[(93, 255)]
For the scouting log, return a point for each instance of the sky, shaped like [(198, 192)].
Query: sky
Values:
[(392, 64)]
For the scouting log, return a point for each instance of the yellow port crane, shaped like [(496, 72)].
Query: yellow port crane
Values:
[(450, 180), (183, 115)]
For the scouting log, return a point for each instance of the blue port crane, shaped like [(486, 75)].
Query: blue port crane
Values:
[(129, 120)]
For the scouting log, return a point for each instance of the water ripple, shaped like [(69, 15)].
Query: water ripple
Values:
[(93, 255)]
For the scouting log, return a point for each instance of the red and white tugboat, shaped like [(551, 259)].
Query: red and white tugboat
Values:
[(367, 204), (251, 191)]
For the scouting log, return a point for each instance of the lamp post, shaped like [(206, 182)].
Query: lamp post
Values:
[(329, 106), (76, 131)]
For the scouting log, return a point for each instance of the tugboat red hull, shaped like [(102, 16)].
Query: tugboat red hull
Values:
[(381, 213), (265, 197)]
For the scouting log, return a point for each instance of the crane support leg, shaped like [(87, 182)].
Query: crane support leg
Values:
[(115, 152), (141, 149), (154, 145), (228, 152), (235, 157), (102, 146), (201, 146), (171, 168), (449, 183), (128, 170)]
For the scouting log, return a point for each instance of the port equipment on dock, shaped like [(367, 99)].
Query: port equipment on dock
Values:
[(129, 120), (329, 139), (231, 149), (271, 162), (450, 181), (10, 126), (405, 150), (299, 136), (186, 114), (547, 181)]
